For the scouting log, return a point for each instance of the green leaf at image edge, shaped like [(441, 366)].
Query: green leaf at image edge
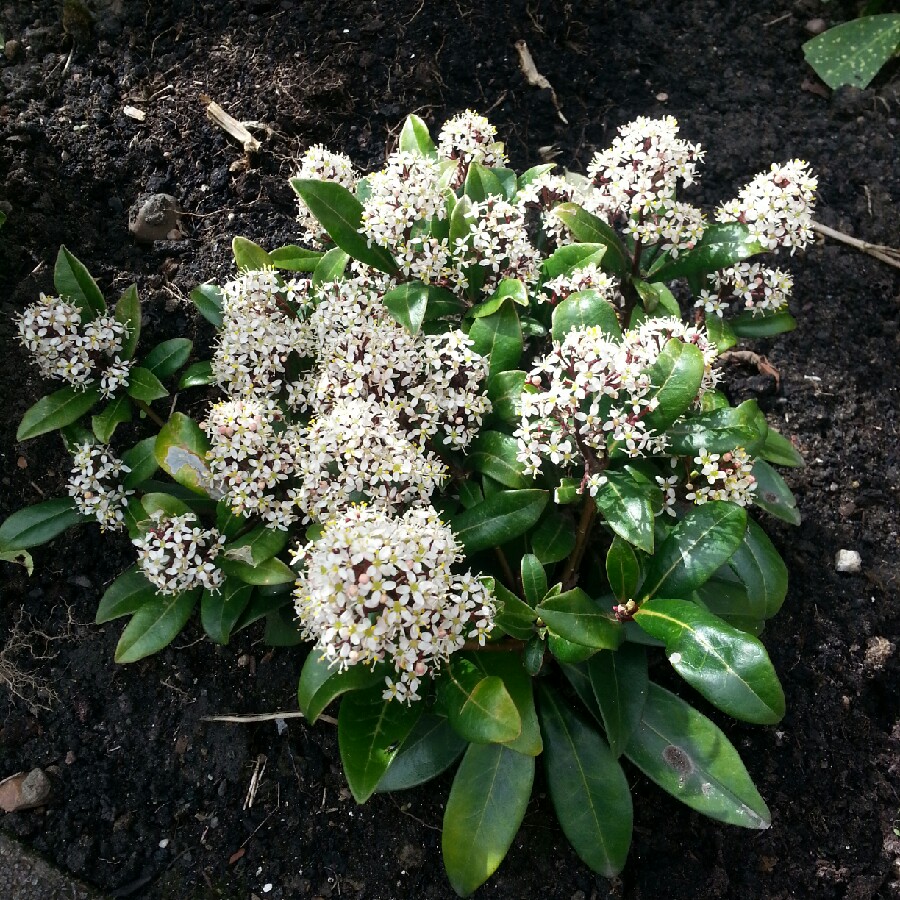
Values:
[(38, 524)]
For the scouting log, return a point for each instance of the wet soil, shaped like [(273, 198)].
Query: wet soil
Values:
[(149, 800)]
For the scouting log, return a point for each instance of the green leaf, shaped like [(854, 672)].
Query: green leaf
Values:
[(554, 538), (208, 300), (340, 214), (117, 411), (430, 749), (514, 615), (589, 229), (141, 461), (676, 377), (249, 257), (761, 570), (574, 616), (479, 706), (585, 309), (722, 245), (534, 173), (688, 756), (571, 257), (56, 410), (272, 571), (331, 267), (165, 504), (657, 298), (144, 385), (197, 375), (155, 625), (167, 358), (773, 495), (854, 52), (500, 518), (499, 338), (220, 611), (485, 808), (568, 652), (720, 333), (619, 681), (701, 542), (512, 288), (494, 453), (35, 525), (257, 546), (180, 450), (295, 259), (73, 281), (227, 522), (727, 666), (622, 570), (588, 788), (22, 557), (126, 595), (534, 579), (321, 682), (779, 450), (282, 628), (481, 183), (461, 220), (750, 326), (407, 304), (504, 390), (128, 312), (414, 138), (719, 431), (627, 508), (370, 732)]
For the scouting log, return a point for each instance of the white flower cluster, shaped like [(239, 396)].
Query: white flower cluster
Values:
[(760, 288), (649, 339), (637, 176), (467, 138), (262, 323), (378, 588), (776, 206), (542, 196), (252, 462), (675, 226), (96, 485), (729, 476), (66, 350), (587, 278), (175, 556), (319, 164)]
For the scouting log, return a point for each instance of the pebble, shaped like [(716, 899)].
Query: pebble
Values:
[(153, 218), (816, 26), (847, 561), (11, 49), (24, 791)]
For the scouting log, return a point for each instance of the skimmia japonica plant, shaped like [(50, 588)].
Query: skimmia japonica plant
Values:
[(468, 443)]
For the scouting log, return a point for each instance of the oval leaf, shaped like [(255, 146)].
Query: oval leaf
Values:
[(272, 571), (220, 611), (719, 431), (619, 681), (126, 595), (554, 538), (73, 281), (35, 525), (56, 410), (722, 245), (499, 338), (676, 376), (249, 257), (627, 507), (589, 229), (144, 385), (414, 138), (128, 312), (321, 682), (761, 570), (500, 518), (295, 259), (180, 450), (623, 570), (574, 616), (117, 411), (773, 495), (208, 300), (167, 358), (155, 625), (141, 461), (430, 749), (585, 309), (494, 453)]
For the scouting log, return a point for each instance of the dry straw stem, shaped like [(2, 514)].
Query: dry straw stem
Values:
[(263, 717), (534, 78), (232, 126), (888, 255)]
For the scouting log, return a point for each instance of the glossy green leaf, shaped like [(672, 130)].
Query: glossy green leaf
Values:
[(494, 453), (220, 611), (749, 326), (481, 183), (321, 682), (622, 569), (430, 749), (657, 299), (568, 652), (115, 413), (141, 460), (585, 309), (167, 358), (854, 52), (198, 374), (180, 450), (554, 538), (208, 300), (249, 257), (155, 625), (257, 546), (534, 173), (165, 505), (627, 509), (126, 595), (570, 257), (589, 229), (722, 245), (574, 616), (370, 732), (534, 579), (676, 377), (499, 338), (688, 756), (56, 410), (504, 390), (407, 304), (461, 220), (295, 259), (20, 557), (282, 628), (727, 666), (719, 431), (533, 655), (701, 542), (779, 450), (512, 288), (479, 706), (331, 267), (485, 808), (773, 495), (271, 571), (720, 333), (761, 570), (568, 492), (588, 788), (144, 385), (73, 281), (514, 615), (128, 312), (414, 138), (340, 214), (619, 679), (500, 518), (35, 525)]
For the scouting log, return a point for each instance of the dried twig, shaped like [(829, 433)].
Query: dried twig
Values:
[(233, 127), (255, 780), (534, 78), (888, 255), (763, 366), (263, 717)]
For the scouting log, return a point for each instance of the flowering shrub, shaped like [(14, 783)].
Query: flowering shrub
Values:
[(470, 445)]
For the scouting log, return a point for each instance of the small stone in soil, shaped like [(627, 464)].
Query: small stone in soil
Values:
[(153, 218), (24, 791), (847, 561), (816, 26)]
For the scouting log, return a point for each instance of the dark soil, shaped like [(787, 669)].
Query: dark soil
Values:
[(132, 762)]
